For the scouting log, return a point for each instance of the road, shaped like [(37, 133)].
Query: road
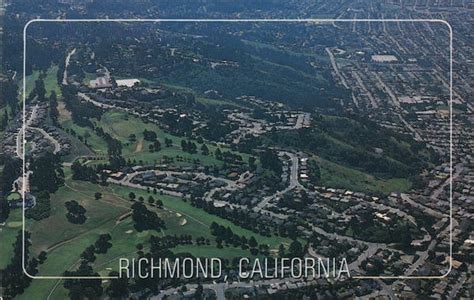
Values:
[(96, 103), (66, 64), (336, 69), (57, 146), (294, 183)]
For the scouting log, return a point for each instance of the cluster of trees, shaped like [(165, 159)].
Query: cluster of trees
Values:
[(76, 213), (83, 172), (38, 91), (188, 146), (225, 234), (177, 124), (353, 142), (217, 127), (14, 280), (238, 217), (149, 135), (11, 171), (292, 201), (8, 97), (168, 142), (4, 208), (88, 288), (114, 149), (46, 172), (269, 160), (228, 157), (145, 219), (42, 209), (365, 227), (101, 246), (156, 146), (83, 288), (53, 108), (314, 172), (81, 112)]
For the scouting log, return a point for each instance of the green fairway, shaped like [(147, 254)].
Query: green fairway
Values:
[(67, 241), (99, 212), (49, 79), (203, 219), (8, 233), (121, 125), (14, 196)]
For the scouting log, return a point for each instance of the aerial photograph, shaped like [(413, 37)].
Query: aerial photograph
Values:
[(253, 149)]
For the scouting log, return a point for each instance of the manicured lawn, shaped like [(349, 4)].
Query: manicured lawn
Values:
[(14, 196), (121, 125), (203, 219), (56, 228), (8, 234), (50, 81)]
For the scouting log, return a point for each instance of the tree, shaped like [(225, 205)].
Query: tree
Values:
[(204, 149), (4, 209), (270, 160), (11, 171), (314, 173), (159, 203), (252, 160), (118, 288), (149, 135), (89, 254), (14, 280), (39, 90), (103, 243), (83, 288), (47, 173), (157, 145), (75, 212), (184, 145), (295, 249), (53, 108), (218, 154), (97, 195), (42, 209), (131, 196), (281, 251), (145, 219), (151, 200), (252, 242), (83, 172)]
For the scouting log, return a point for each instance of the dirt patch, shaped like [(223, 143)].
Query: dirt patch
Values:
[(139, 146), (64, 114)]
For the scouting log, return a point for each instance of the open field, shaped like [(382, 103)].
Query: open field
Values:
[(338, 176)]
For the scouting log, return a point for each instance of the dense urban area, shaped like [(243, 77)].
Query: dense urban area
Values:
[(267, 140)]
